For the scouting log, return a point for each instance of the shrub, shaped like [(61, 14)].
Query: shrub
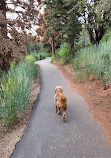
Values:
[(1, 74), (62, 54), (30, 59), (15, 91), (33, 47), (80, 76), (106, 37), (40, 55), (95, 60), (48, 54)]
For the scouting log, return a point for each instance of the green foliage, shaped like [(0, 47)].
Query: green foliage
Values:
[(106, 37), (62, 54), (40, 55), (62, 21), (30, 59), (1, 74), (95, 60), (53, 59), (33, 47), (97, 18), (37, 51), (84, 38), (46, 47), (12, 65), (48, 54), (80, 76), (76, 64), (15, 91)]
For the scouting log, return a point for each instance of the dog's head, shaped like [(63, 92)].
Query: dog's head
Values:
[(58, 89)]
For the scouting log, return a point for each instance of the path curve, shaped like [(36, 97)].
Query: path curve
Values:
[(47, 136)]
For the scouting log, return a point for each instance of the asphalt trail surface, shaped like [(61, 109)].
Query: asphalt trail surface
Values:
[(47, 136)]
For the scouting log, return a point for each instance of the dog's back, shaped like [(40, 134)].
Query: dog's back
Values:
[(61, 100)]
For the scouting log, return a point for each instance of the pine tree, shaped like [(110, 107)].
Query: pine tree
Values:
[(60, 21), (72, 25)]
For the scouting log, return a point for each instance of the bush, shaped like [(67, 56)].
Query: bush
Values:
[(30, 59), (40, 55), (106, 37), (1, 74), (95, 60), (62, 54), (33, 47), (48, 54), (80, 76), (53, 59), (15, 91)]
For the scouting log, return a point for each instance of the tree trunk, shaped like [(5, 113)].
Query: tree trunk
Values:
[(99, 34), (96, 35), (53, 47), (91, 36), (71, 42), (3, 25)]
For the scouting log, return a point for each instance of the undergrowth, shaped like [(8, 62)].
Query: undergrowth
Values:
[(94, 60), (40, 55), (15, 91), (63, 55)]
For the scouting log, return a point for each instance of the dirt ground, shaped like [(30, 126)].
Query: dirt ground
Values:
[(98, 99), (9, 139)]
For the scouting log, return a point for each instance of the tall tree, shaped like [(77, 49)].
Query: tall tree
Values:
[(26, 14), (47, 32), (60, 21), (72, 25), (96, 15), (54, 10)]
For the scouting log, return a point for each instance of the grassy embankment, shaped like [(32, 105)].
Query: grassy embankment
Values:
[(92, 61), (15, 91)]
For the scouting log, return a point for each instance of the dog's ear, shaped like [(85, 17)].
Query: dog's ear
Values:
[(61, 90), (55, 90)]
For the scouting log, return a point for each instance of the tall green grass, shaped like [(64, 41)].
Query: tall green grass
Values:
[(15, 91), (63, 55), (39, 55), (95, 60)]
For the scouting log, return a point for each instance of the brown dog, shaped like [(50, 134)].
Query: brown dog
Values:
[(60, 101)]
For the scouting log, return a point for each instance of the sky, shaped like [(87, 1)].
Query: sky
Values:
[(14, 16)]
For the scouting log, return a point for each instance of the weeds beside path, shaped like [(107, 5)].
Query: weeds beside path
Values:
[(98, 99), (18, 91), (9, 139)]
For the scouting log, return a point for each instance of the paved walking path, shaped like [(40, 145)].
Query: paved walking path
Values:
[(48, 137)]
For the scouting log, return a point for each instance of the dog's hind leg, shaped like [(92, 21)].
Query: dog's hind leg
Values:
[(58, 111), (64, 116)]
